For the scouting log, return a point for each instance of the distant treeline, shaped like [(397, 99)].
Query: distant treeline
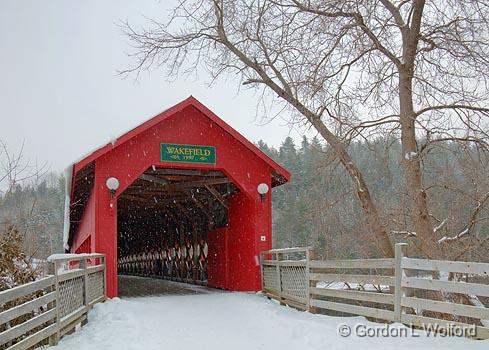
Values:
[(36, 209), (318, 207)]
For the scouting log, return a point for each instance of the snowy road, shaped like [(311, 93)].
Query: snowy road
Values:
[(229, 321)]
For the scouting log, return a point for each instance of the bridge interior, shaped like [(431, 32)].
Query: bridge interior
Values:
[(135, 286), (164, 219)]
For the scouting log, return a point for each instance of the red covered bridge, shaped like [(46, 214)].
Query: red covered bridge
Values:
[(177, 185)]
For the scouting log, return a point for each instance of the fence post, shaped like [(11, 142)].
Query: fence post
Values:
[(400, 252), (279, 257), (308, 281), (102, 261), (83, 265), (261, 258), (53, 270)]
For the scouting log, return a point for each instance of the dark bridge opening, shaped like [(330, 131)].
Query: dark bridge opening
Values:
[(164, 219)]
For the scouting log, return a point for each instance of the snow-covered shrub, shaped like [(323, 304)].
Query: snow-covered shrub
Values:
[(15, 268)]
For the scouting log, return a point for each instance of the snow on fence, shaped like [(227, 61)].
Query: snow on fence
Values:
[(45, 310), (399, 289)]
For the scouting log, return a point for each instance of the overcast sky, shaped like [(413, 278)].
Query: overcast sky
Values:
[(59, 88)]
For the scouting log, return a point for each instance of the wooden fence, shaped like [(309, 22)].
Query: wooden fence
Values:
[(399, 289), (45, 310)]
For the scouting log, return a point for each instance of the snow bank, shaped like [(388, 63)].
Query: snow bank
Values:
[(231, 321)]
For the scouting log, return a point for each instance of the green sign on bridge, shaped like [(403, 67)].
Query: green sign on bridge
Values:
[(172, 152)]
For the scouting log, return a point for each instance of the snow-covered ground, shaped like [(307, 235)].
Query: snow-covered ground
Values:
[(231, 321)]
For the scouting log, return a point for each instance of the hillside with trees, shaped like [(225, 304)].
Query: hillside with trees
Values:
[(31, 217), (36, 210), (318, 208)]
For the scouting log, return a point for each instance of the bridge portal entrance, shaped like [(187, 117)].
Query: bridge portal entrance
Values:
[(183, 186), (166, 220)]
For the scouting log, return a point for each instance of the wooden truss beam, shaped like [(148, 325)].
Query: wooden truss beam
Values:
[(218, 196), (187, 172), (154, 179), (199, 204), (200, 183), (184, 210), (183, 185), (131, 197)]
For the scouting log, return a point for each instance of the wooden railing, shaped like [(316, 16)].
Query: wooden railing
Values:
[(399, 289), (43, 311), (284, 275)]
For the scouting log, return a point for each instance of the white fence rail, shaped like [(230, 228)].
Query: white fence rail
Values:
[(43, 311), (284, 275), (400, 289)]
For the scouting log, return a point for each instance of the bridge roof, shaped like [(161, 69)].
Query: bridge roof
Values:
[(279, 171)]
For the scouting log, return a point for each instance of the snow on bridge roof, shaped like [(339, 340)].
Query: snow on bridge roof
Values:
[(190, 101)]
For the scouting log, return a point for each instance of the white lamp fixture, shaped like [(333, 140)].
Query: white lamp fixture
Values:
[(112, 184), (262, 190)]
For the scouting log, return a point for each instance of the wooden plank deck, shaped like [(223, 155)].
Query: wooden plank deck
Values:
[(134, 286)]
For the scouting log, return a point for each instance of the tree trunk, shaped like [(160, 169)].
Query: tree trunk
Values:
[(371, 215), (412, 165), (372, 219)]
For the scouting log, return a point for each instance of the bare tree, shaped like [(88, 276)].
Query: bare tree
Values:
[(14, 169), (348, 68)]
